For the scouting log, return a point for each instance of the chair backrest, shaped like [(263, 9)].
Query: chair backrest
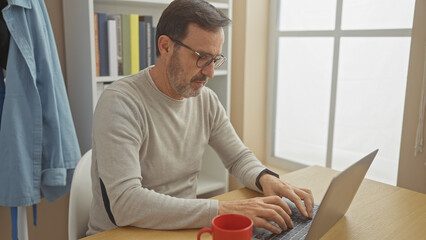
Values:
[(80, 198)]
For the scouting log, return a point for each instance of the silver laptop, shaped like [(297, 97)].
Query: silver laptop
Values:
[(336, 201)]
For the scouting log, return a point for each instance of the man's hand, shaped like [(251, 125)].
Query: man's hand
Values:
[(260, 210), (273, 186), (271, 207)]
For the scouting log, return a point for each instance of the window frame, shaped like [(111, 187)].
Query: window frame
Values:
[(337, 34)]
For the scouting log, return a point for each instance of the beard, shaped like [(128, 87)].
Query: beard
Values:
[(177, 80)]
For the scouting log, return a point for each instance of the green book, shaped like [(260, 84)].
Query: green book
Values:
[(125, 28)]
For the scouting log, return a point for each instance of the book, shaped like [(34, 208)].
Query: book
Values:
[(142, 46), (103, 44), (147, 20), (112, 47), (125, 37), (134, 43), (118, 31), (154, 45), (98, 70)]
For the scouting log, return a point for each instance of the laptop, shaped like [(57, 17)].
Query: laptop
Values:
[(336, 201)]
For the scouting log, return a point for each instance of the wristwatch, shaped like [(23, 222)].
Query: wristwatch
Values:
[(265, 171)]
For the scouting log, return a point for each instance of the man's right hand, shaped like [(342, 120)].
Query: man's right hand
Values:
[(261, 210)]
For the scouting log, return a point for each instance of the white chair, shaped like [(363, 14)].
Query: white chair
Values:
[(80, 198)]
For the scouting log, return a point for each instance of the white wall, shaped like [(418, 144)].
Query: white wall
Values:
[(248, 77), (412, 170)]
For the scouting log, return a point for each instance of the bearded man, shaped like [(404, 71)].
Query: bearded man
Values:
[(150, 131)]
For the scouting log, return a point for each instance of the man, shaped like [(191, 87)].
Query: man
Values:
[(150, 131)]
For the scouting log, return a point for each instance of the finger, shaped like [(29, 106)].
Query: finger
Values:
[(278, 215), (299, 203), (310, 195), (278, 201), (306, 196), (309, 201), (262, 223)]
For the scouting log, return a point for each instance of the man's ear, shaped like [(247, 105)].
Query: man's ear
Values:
[(164, 45)]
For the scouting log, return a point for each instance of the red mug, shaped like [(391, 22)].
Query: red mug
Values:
[(229, 227)]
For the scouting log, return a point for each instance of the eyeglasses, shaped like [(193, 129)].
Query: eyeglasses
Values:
[(204, 59)]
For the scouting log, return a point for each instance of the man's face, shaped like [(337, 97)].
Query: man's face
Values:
[(185, 77)]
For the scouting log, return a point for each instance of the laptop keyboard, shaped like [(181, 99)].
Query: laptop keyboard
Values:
[(299, 231)]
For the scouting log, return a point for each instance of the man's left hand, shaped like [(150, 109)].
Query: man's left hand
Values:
[(273, 186)]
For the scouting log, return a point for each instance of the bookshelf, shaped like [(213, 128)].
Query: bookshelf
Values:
[(84, 87)]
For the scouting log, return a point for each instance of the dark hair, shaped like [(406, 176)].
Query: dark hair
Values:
[(176, 17)]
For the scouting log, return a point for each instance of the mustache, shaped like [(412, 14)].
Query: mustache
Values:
[(199, 78)]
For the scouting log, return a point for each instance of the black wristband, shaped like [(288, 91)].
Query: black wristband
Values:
[(265, 171)]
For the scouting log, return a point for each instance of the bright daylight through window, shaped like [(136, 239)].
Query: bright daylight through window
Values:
[(339, 81)]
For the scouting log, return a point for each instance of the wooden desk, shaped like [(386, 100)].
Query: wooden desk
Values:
[(379, 211)]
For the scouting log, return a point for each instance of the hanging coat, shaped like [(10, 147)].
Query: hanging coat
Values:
[(38, 143)]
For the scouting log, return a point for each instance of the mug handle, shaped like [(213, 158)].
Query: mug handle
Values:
[(206, 229)]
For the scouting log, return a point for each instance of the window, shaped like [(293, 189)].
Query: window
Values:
[(337, 82)]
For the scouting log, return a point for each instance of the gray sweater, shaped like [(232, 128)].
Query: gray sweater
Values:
[(147, 151)]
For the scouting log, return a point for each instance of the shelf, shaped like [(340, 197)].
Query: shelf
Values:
[(208, 184), (108, 78), (155, 3), (114, 78)]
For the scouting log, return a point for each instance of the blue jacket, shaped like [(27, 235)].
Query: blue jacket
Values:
[(38, 143)]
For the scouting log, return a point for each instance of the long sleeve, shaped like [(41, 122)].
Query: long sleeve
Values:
[(237, 158)]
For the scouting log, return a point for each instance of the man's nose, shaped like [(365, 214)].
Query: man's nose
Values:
[(208, 70)]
